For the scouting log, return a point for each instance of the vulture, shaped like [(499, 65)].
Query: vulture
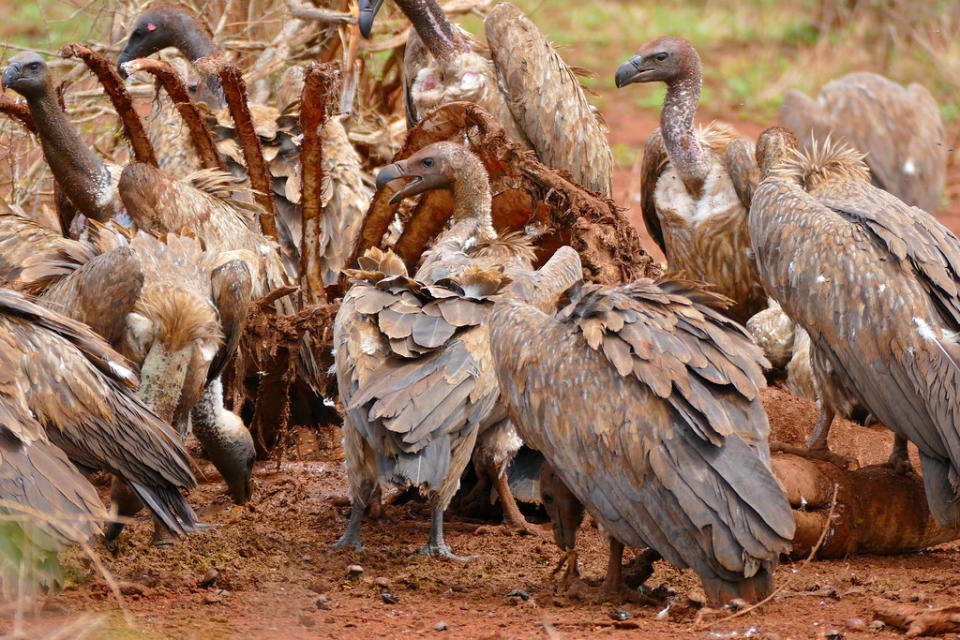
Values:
[(696, 184), (876, 285), (645, 402), (899, 129), (165, 306), (68, 408), (518, 77), (412, 354), (89, 182), (345, 197)]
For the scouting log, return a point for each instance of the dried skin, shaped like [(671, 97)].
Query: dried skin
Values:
[(918, 622), (113, 85), (525, 192), (177, 91), (879, 509)]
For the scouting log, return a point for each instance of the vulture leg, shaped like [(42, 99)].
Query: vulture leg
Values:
[(129, 505), (816, 446), (498, 474), (362, 471), (900, 457), (436, 546), (613, 581)]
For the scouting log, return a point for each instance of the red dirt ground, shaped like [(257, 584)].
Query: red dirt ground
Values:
[(268, 570)]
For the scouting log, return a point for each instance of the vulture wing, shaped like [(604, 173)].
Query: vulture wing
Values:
[(674, 454), (741, 166), (231, 288), (654, 162), (413, 363), (880, 303), (547, 101), (75, 385)]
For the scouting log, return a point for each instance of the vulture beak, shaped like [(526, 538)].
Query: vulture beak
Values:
[(11, 73), (424, 178), (565, 538), (629, 71), (367, 12)]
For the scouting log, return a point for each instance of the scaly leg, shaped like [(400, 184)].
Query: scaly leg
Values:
[(351, 537), (507, 501), (613, 581), (436, 546), (900, 457), (816, 446)]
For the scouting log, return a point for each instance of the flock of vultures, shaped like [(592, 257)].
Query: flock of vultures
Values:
[(483, 293)]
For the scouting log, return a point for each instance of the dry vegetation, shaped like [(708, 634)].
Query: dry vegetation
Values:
[(753, 52)]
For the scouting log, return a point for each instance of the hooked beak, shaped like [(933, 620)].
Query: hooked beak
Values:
[(11, 73), (367, 12), (629, 71), (419, 183)]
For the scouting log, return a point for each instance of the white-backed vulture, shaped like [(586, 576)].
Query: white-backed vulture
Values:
[(645, 401), (346, 196), (165, 306), (899, 129), (521, 80), (62, 385), (696, 185), (876, 285), (412, 354)]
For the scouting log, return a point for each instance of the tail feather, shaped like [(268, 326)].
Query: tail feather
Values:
[(169, 507)]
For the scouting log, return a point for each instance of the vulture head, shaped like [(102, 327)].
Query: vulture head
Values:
[(167, 26), (666, 59), (27, 74), (368, 11), (563, 508), (441, 165), (774, 145)]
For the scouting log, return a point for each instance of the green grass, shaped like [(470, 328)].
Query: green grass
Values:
[(45, 24)]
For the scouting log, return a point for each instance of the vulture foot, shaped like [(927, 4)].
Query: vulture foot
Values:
[(351, 537), (441, 550), (819, 453), (568, 560), (899, 459)]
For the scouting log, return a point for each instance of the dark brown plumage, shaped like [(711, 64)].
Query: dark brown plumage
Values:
[(521, 80), (696, 185), (62, 384), (345, 196), (412, 354), (645, 401), (899, 129), (876, 285)]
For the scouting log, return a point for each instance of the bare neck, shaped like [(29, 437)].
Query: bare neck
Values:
[(192, 39), (438, 34), (679, 137), (472, 200), (81, 174)]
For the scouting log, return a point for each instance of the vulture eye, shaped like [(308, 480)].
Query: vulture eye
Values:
[(547, 498), (33, 66), (662, 56), (427, 162)]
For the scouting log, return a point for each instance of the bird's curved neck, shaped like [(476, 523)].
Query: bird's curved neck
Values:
[(438, 34), (472, 200), (81, 174), (192, 39), (679, 136)]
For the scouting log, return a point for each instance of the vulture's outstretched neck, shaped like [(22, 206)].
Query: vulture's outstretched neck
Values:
[(436, 31), (679, 136), (82, 175), (192, 38)]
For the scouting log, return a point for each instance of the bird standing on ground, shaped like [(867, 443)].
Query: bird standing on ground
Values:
[(696, 184), (876, 285), (645, 401)]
